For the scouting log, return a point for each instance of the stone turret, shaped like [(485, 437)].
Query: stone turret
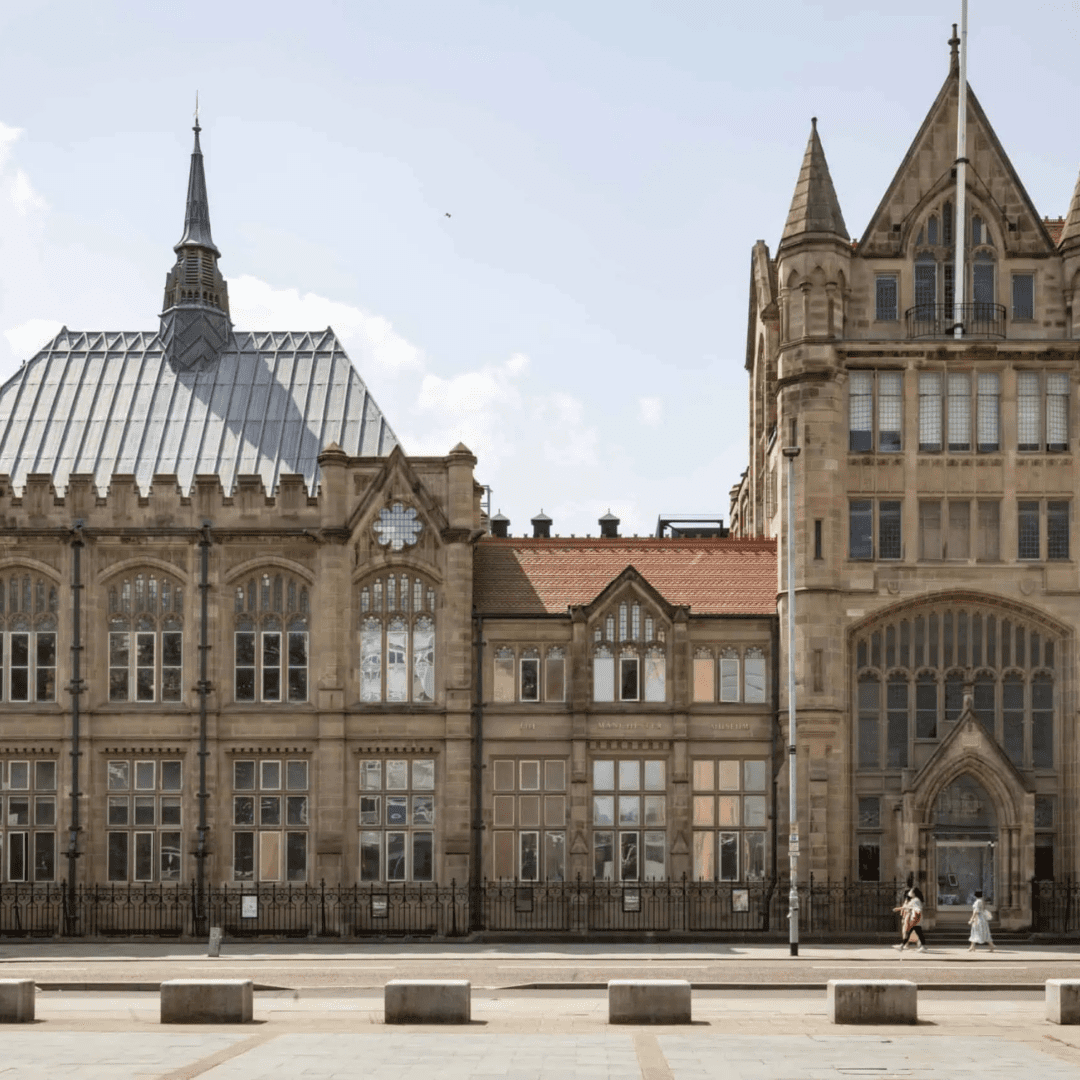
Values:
[(195, 324), (814, 255)]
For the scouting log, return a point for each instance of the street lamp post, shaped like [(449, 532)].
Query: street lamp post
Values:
[(791, 453)]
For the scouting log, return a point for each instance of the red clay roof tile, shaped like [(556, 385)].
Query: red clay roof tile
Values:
[(713, 577)]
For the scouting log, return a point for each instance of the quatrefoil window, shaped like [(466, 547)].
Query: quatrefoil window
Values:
[(398, 527)]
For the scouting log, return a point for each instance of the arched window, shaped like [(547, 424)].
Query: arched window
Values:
[(146, 638), (271, 614), (926, 662), (630, 656), (397, 640), (28, 610)]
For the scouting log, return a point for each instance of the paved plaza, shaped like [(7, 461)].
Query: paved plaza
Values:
[(320, 1028)]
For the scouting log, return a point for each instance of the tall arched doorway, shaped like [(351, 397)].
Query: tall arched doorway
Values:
[(965, 834)]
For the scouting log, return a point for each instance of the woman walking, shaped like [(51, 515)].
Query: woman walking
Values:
[(911, 911), (980, 924)]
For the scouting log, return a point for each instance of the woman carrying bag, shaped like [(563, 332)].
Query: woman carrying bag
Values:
[(911, 911)]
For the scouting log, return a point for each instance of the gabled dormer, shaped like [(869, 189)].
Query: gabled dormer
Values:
[(629, 630)]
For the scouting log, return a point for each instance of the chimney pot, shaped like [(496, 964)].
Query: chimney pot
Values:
[(609, 526), (500, 525), (541, 526)]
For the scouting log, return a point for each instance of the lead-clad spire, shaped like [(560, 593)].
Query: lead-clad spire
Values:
[(195, 324), (197, 212), (814, 207)]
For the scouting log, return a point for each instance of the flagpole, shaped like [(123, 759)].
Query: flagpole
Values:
[(960, 226)]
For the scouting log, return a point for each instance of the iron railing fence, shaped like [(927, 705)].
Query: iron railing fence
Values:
[(352, 912), (939, 320), (1055, 906)]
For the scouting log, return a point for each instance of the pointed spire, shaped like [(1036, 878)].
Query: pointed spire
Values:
[(815, 207), (954, 52), (1070, 232), (197, 213), (195, 325)]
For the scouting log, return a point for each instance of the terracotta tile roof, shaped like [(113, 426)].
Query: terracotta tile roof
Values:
[(535, 577), (1054, 227)]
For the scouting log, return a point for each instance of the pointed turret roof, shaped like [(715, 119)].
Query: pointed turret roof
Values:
[(197, 212), (815, 207), (1070, 232)]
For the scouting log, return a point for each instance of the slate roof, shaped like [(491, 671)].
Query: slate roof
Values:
[(111, 402), (713, 577)]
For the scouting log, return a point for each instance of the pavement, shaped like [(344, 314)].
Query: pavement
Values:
[(980, 1015)]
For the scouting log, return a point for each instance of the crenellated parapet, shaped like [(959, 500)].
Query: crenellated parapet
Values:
[(352, 493)]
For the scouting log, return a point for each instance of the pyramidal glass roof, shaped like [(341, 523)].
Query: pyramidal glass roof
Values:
[(110, 402)]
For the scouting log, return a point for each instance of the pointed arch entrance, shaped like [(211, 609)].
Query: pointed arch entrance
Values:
[(966, 824)]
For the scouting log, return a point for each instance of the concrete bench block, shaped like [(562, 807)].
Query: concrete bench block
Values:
[(427, 1001), (16, 1001), (206, 1001), (872, 1001), (1063, 1001), (648, 1001)]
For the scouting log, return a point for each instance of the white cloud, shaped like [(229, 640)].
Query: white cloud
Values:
[(569, 441), (473, 407), (8, 135), (27, 338), (23, 196), (652, 411), (369, 339)]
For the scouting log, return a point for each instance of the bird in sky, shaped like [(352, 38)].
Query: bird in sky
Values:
[(447, 215)]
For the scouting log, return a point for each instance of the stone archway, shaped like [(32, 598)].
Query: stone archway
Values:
[(969, 764)]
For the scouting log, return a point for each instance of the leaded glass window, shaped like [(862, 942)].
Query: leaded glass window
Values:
[(143, 820), (629, 819), (1008, 664), (729, 813), (637, 668), (270, 639), (28, 820), (145, 638), (271, 815), (397, 640), (1023, 296), (529, 814), (397, 819), (398, 527)]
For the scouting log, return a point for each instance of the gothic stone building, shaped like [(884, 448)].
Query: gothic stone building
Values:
[(246, 639), (936, 575)]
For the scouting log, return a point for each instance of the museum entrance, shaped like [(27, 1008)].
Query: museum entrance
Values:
[(965, 839)]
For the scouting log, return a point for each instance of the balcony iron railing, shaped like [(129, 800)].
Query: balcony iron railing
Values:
[(939, 320)]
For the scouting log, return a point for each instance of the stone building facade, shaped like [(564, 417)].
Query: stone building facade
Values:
[(247, 640), (936, 569), (634, 678)]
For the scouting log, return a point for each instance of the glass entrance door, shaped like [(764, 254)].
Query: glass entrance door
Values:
[(962, 867)]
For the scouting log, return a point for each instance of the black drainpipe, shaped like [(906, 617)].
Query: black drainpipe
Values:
[(776, 765), (476, 855), (204, 690), (75, 687)]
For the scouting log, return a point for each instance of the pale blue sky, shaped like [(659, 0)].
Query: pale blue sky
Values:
[(580, 319)]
